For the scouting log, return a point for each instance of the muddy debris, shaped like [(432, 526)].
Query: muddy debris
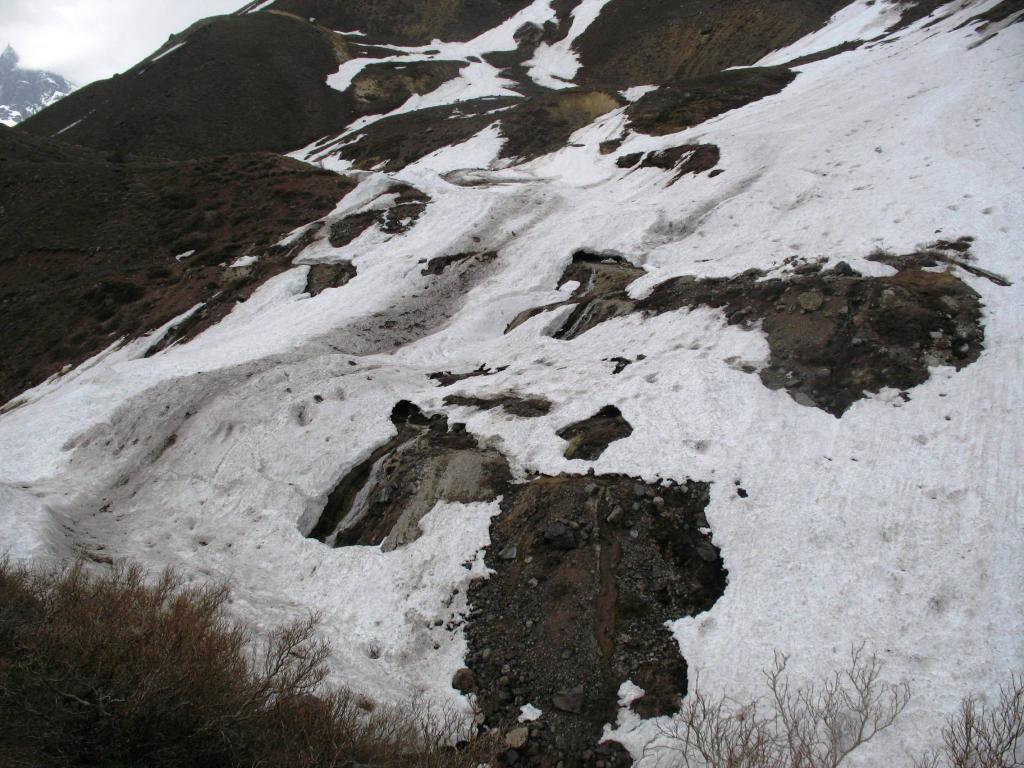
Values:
[(447, 378), (512, 403), (438, 264), (324, 276), (589, 438), (600, 295), (687, 159), (602, 562), (835, 335)]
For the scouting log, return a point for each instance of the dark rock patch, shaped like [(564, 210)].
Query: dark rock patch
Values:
[(639, 42), (686, 102), (828, 53), (397, 141), (511, 403), (438, 264), (603, 280), (395, 219), (324, 276), (544, 123), (447, 378), (589, 438), (685, 159), (834, 336), (600, 564), (382, 500), (996, 14)]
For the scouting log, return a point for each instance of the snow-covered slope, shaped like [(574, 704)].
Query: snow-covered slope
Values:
[(899, 525), (23, 92)]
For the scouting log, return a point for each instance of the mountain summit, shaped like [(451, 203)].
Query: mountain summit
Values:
[(24, 92)]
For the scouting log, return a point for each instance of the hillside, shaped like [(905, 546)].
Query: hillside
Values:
[(563, 356)]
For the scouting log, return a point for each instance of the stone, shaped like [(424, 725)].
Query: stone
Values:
[(559, 536), (509, 553), (464, 681), (517, 737), (810, 301), (569, 700)]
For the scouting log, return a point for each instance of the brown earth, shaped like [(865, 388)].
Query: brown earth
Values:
[(240, 84), (641, 42), (586, 571), (88, 246), (510, 402), (589, 438), (406, 22), (685, 102)]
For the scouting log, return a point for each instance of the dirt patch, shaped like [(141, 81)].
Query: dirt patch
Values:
[(640, 42), (828, 53), (586, 570), (601, 293), (438, 264), (589, 438), (395, 219), (397, 141), (324, 276), (382, 500), (125, 247), (686, 102), (381, 88), (447, 378), (545, 122), (835, 336), (686, 159), (510, 402)]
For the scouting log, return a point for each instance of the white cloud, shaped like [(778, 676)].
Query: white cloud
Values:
[(87, 40)]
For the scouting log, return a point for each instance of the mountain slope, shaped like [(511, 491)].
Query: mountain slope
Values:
[(579, 394), (24, 92)]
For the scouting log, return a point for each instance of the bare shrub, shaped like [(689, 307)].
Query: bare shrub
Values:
[(984, 735), (813, 726), (117, 670)]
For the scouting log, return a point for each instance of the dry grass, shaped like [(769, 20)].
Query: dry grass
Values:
[(815, 726), (982, 735), (119, 671)]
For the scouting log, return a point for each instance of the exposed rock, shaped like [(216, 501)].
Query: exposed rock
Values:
[(589, 438), (464, 681), (324, 276), (511, 403)]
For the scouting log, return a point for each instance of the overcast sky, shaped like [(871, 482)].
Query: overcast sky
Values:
[(86, 40)]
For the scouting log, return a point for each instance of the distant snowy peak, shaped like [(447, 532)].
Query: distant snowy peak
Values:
[(23, 92)]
